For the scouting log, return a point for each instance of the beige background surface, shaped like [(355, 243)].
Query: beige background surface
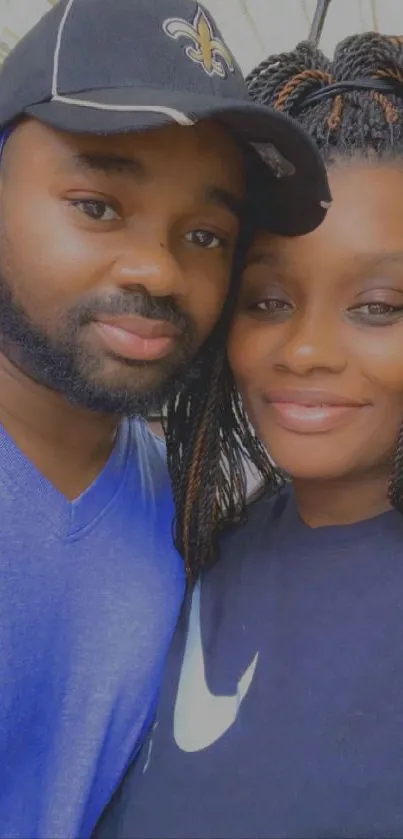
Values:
[(253, 28)]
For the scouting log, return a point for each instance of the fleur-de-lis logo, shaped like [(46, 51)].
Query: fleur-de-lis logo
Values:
[(206, 48)]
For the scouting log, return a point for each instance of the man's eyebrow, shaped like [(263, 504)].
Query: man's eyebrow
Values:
[(108, 164), (116, 164), (226, 199)]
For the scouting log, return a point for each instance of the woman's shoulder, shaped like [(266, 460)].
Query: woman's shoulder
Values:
[(261, 521), (245, 546), (267, 505)]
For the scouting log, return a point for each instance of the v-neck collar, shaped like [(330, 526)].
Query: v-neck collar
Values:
[(65, 518)]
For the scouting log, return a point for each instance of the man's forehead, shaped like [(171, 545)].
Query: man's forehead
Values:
[(206, 138), (139, 157)]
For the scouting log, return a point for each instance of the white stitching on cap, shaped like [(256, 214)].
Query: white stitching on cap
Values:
[(177, 116), (56, 54)]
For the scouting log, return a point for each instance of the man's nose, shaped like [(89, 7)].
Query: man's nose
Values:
[(151, 265)]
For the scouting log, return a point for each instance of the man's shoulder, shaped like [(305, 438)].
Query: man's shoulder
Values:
[(150, 453), (148, 440)]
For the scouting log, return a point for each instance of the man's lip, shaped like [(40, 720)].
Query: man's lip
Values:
[(142, 327), (311, 398), (137, 339)]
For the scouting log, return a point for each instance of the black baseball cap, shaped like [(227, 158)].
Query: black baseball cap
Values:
[(112, 66)]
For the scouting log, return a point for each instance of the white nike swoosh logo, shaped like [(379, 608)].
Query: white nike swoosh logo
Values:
[(200, 717)]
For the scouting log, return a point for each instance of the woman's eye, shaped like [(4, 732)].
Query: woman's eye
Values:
[(268, 306), (205, 239), (378, 310), (96, 210)]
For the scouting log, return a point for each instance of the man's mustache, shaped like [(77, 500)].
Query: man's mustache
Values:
[(138, 304)]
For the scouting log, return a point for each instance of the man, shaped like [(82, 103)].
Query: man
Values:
[(123, 190)]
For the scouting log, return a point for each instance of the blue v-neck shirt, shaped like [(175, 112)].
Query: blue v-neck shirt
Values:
[(89, 597)]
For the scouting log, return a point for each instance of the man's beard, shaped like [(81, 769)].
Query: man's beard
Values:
[(65, 365)]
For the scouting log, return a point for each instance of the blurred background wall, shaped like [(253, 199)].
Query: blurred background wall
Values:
[(253, 28)]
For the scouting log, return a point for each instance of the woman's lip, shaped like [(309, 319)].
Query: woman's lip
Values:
[(312, 419), (311, 398), (134, 345)]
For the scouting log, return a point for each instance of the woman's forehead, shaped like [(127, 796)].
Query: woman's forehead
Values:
[(366, 218)]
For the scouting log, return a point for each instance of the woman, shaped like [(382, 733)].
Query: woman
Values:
[(282, 710)]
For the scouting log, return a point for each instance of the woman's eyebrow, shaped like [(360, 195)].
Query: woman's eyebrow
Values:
[(375, 258), (263, 257)]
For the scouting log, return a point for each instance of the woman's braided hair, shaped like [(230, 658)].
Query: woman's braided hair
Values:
[(208, 435), (361, 121), (208, 441)]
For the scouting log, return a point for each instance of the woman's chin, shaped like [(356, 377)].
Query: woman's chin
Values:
[(303, 472), (305, 466)]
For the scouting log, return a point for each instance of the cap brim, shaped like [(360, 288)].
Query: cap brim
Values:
[(297, 201)]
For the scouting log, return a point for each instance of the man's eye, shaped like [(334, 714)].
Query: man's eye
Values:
[(96, 210), (205, 239)]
